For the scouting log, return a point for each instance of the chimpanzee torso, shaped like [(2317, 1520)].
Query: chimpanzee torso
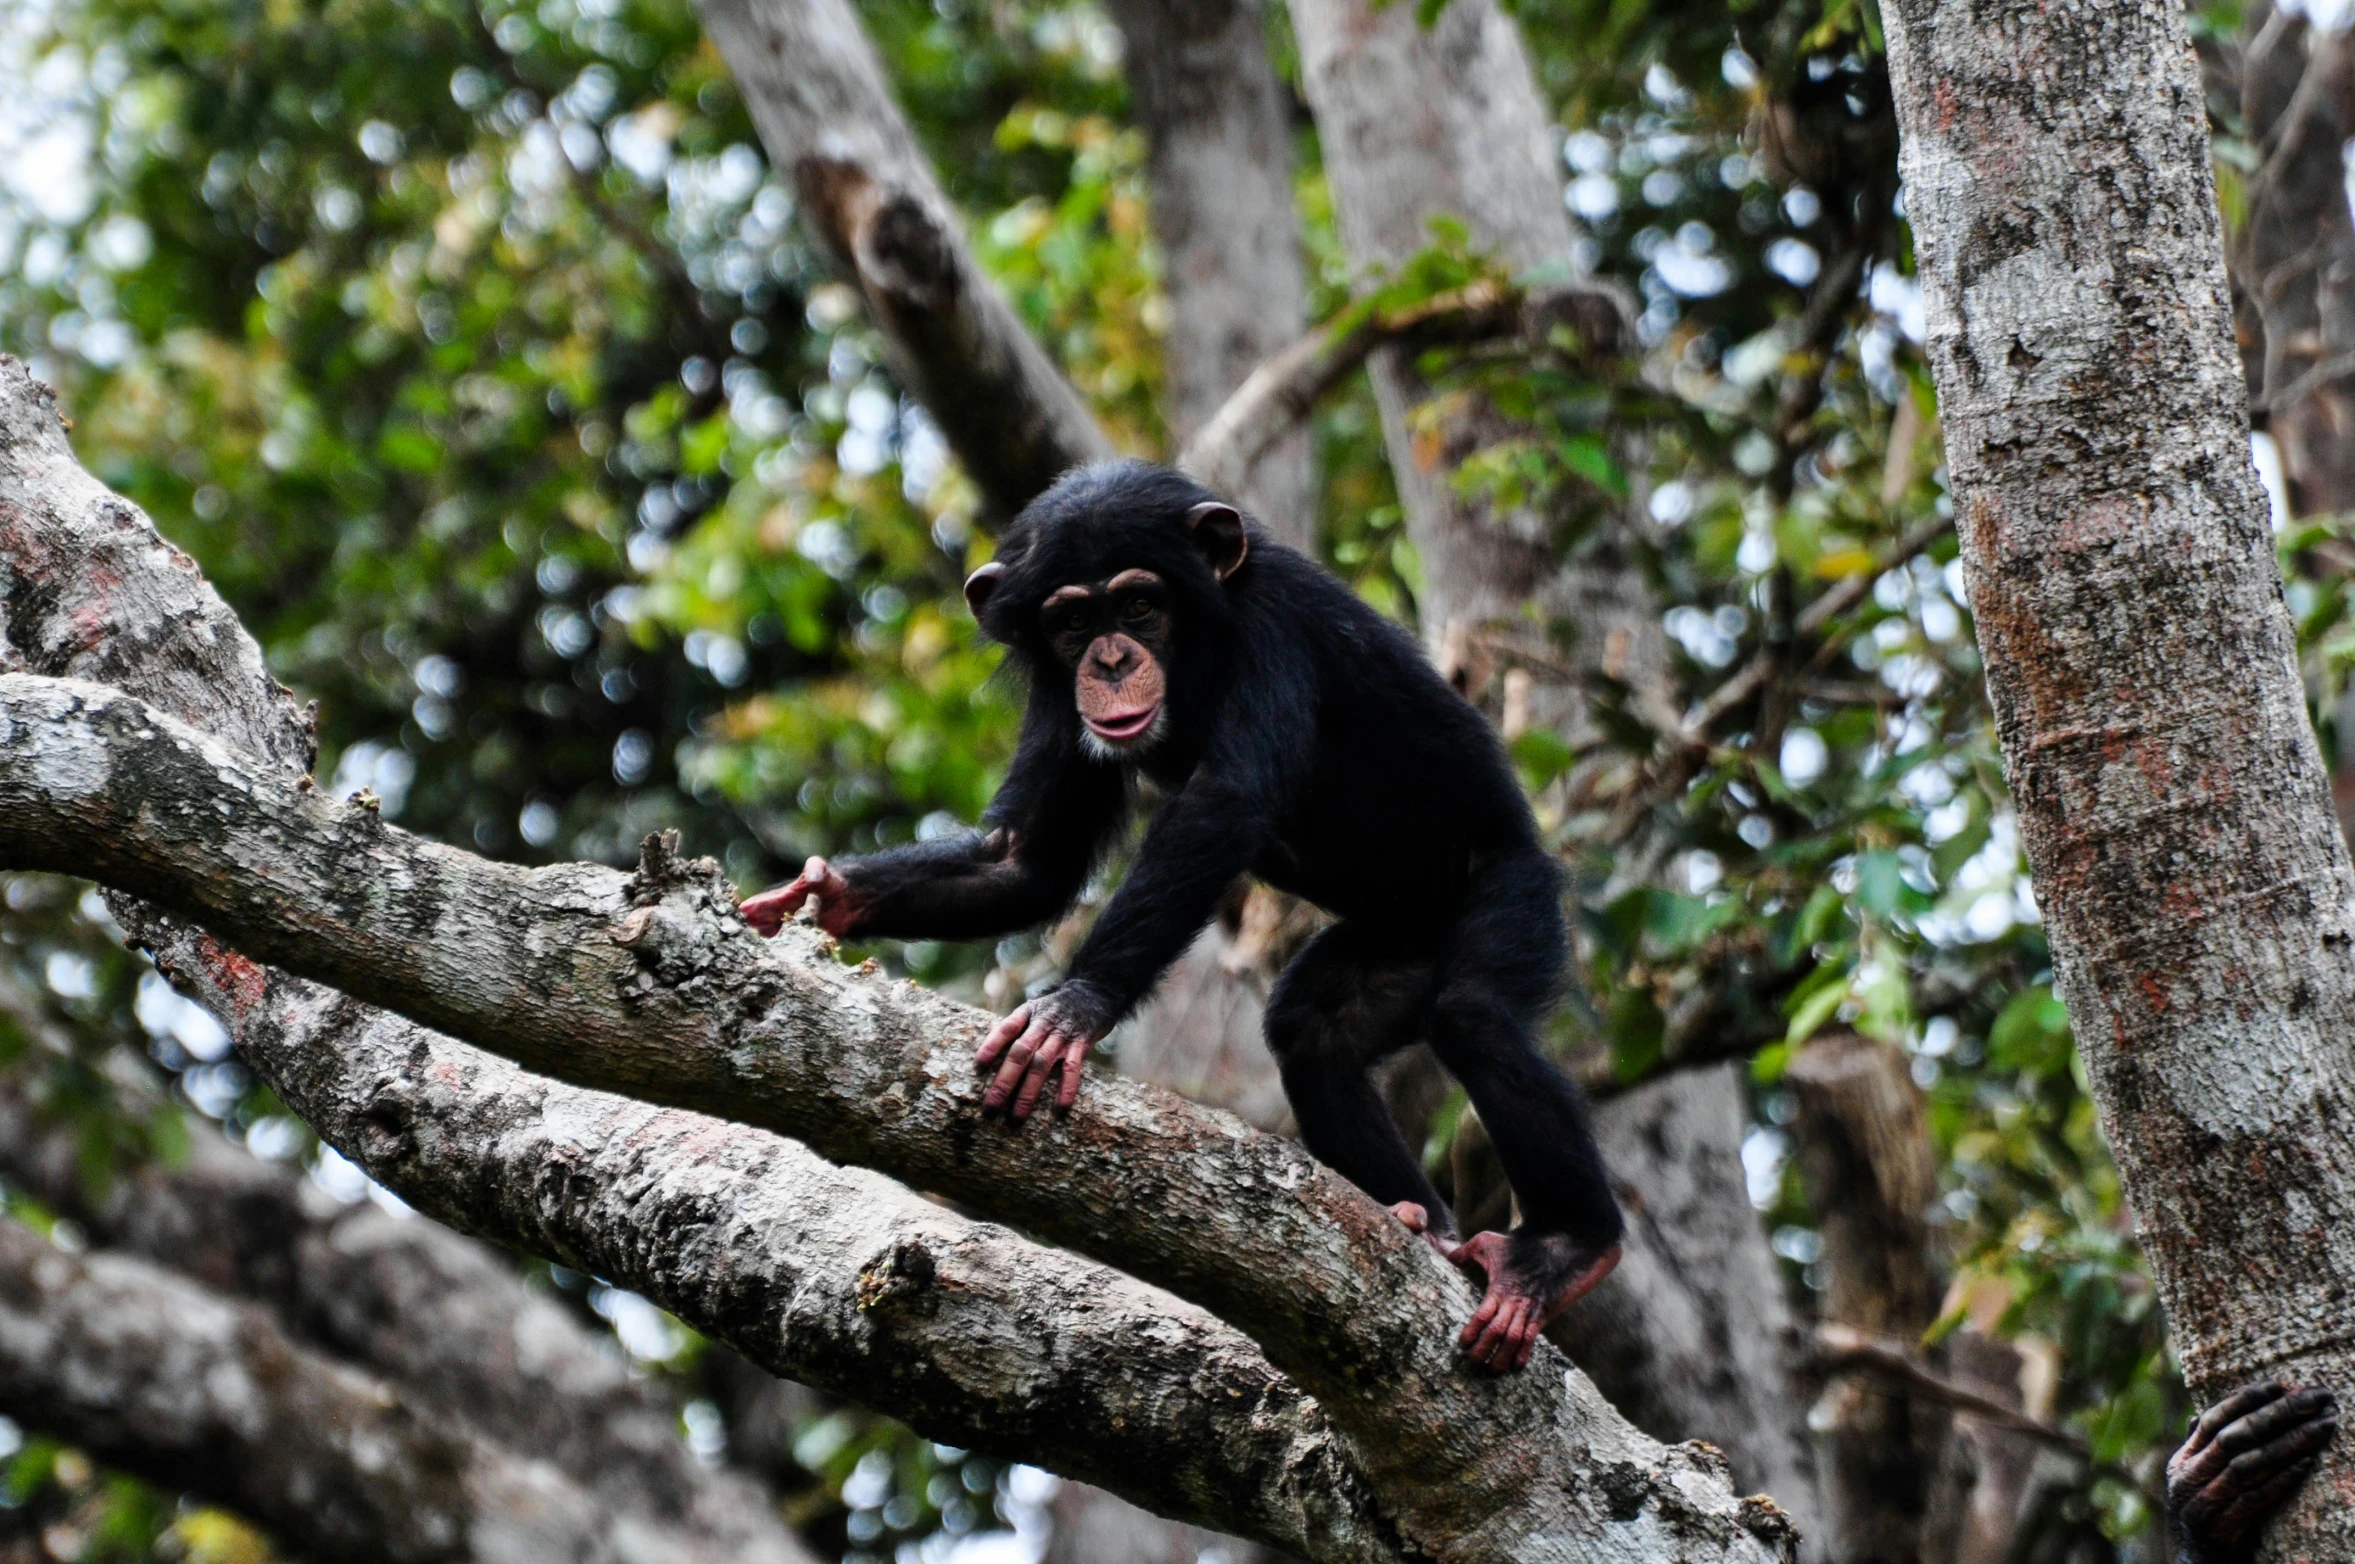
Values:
[(1398, 789)]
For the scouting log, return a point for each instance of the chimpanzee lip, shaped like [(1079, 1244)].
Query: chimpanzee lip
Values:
[(1129, 725)]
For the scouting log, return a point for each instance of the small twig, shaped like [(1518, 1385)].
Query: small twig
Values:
[(1280, 393), (2314, 379), (1845, 1348)]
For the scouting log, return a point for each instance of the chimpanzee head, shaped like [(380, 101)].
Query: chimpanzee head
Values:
[(1115, 580)]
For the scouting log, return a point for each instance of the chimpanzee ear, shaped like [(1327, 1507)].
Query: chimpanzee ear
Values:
[(1217, 530), (980, 584)]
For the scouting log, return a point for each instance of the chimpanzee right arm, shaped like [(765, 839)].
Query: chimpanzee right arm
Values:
[(1042, 835), (2244, 1457)]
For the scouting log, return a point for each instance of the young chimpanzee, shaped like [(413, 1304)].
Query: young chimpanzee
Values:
[(1298, 736), (2245, 1456)]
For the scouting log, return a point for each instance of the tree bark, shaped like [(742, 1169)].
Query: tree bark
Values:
[(675, 996), (1694, 1336), (438, 1315), (2296, 256), (817, 95), (1869, 1165), (2140, 659), (1218, 132), (155, 1374)]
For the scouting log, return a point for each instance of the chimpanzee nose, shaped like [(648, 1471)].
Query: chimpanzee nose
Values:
[(1112, 659)]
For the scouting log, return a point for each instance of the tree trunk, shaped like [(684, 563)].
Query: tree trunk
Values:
[(1218, 134), (2140, 659), (2296, 262), (824, 1274), (155, 1374), (1693, 1337), (1872, 1172), (817, 94), (1421, 123)]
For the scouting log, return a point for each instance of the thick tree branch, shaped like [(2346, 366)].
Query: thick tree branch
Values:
[(156, 1374), (653, 983), (817, 94), (450, 1323)]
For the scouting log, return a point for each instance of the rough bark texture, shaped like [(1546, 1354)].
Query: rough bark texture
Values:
[(1869, 1165), (2176, 813), (2295, 266), (1219, 159), (651, 982), (817, 94), (1694, 1338), (150, 1371), (439, 1315)]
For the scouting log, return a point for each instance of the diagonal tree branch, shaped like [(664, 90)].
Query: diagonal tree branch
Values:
[(156, 1374), (817, 94), (651, 984)]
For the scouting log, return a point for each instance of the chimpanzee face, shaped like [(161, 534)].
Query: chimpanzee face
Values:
[(1094, 577), (1115, 638)]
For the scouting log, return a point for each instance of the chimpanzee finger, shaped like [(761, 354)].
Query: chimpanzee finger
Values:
[(1073, 1058), (1528, 1344), (1507, 1341), (1017, 1060), (1497, 1339), (1001, 1036), (2271, 1421), (1478, 1323), (2259, 1502), (1042, 1066), (2230, 1410)]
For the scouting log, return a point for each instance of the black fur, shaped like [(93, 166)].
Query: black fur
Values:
[(1309, 743)]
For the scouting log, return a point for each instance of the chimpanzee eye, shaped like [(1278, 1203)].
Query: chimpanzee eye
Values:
[(1136, 611)]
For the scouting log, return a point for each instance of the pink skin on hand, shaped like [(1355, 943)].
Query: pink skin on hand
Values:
[(1034, 1042), (1503, 1331), (771, 910)]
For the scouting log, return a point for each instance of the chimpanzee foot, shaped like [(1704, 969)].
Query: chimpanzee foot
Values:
[(1418, 1222), (2247, 1454), (1531, 1277)]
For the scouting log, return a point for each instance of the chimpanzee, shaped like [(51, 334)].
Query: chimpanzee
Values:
[(2246, 1454), (1298, 736)]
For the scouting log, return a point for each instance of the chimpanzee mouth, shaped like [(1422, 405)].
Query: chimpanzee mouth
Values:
[(1127, 727)]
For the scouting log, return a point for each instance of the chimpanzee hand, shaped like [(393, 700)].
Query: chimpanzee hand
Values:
[(1052, 1032), (837, 907), (2245, 1456)]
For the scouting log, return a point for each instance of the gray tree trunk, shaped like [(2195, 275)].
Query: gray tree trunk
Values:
[(1421, 123), (1866, 1154), (1218, 134), (2295, 261), (2175, 810), (818, 96)]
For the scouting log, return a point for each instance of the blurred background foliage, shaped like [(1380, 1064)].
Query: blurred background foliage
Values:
[(475, 353)]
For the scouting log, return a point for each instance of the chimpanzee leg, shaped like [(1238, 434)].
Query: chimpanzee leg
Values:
[(1345, 1002), (1500, 973)]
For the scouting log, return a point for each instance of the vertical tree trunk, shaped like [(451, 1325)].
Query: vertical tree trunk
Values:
[(1693, 1335), (2140, 659), (1421, 123), (2296, 262), (1219, 139), (1867, 1159)]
